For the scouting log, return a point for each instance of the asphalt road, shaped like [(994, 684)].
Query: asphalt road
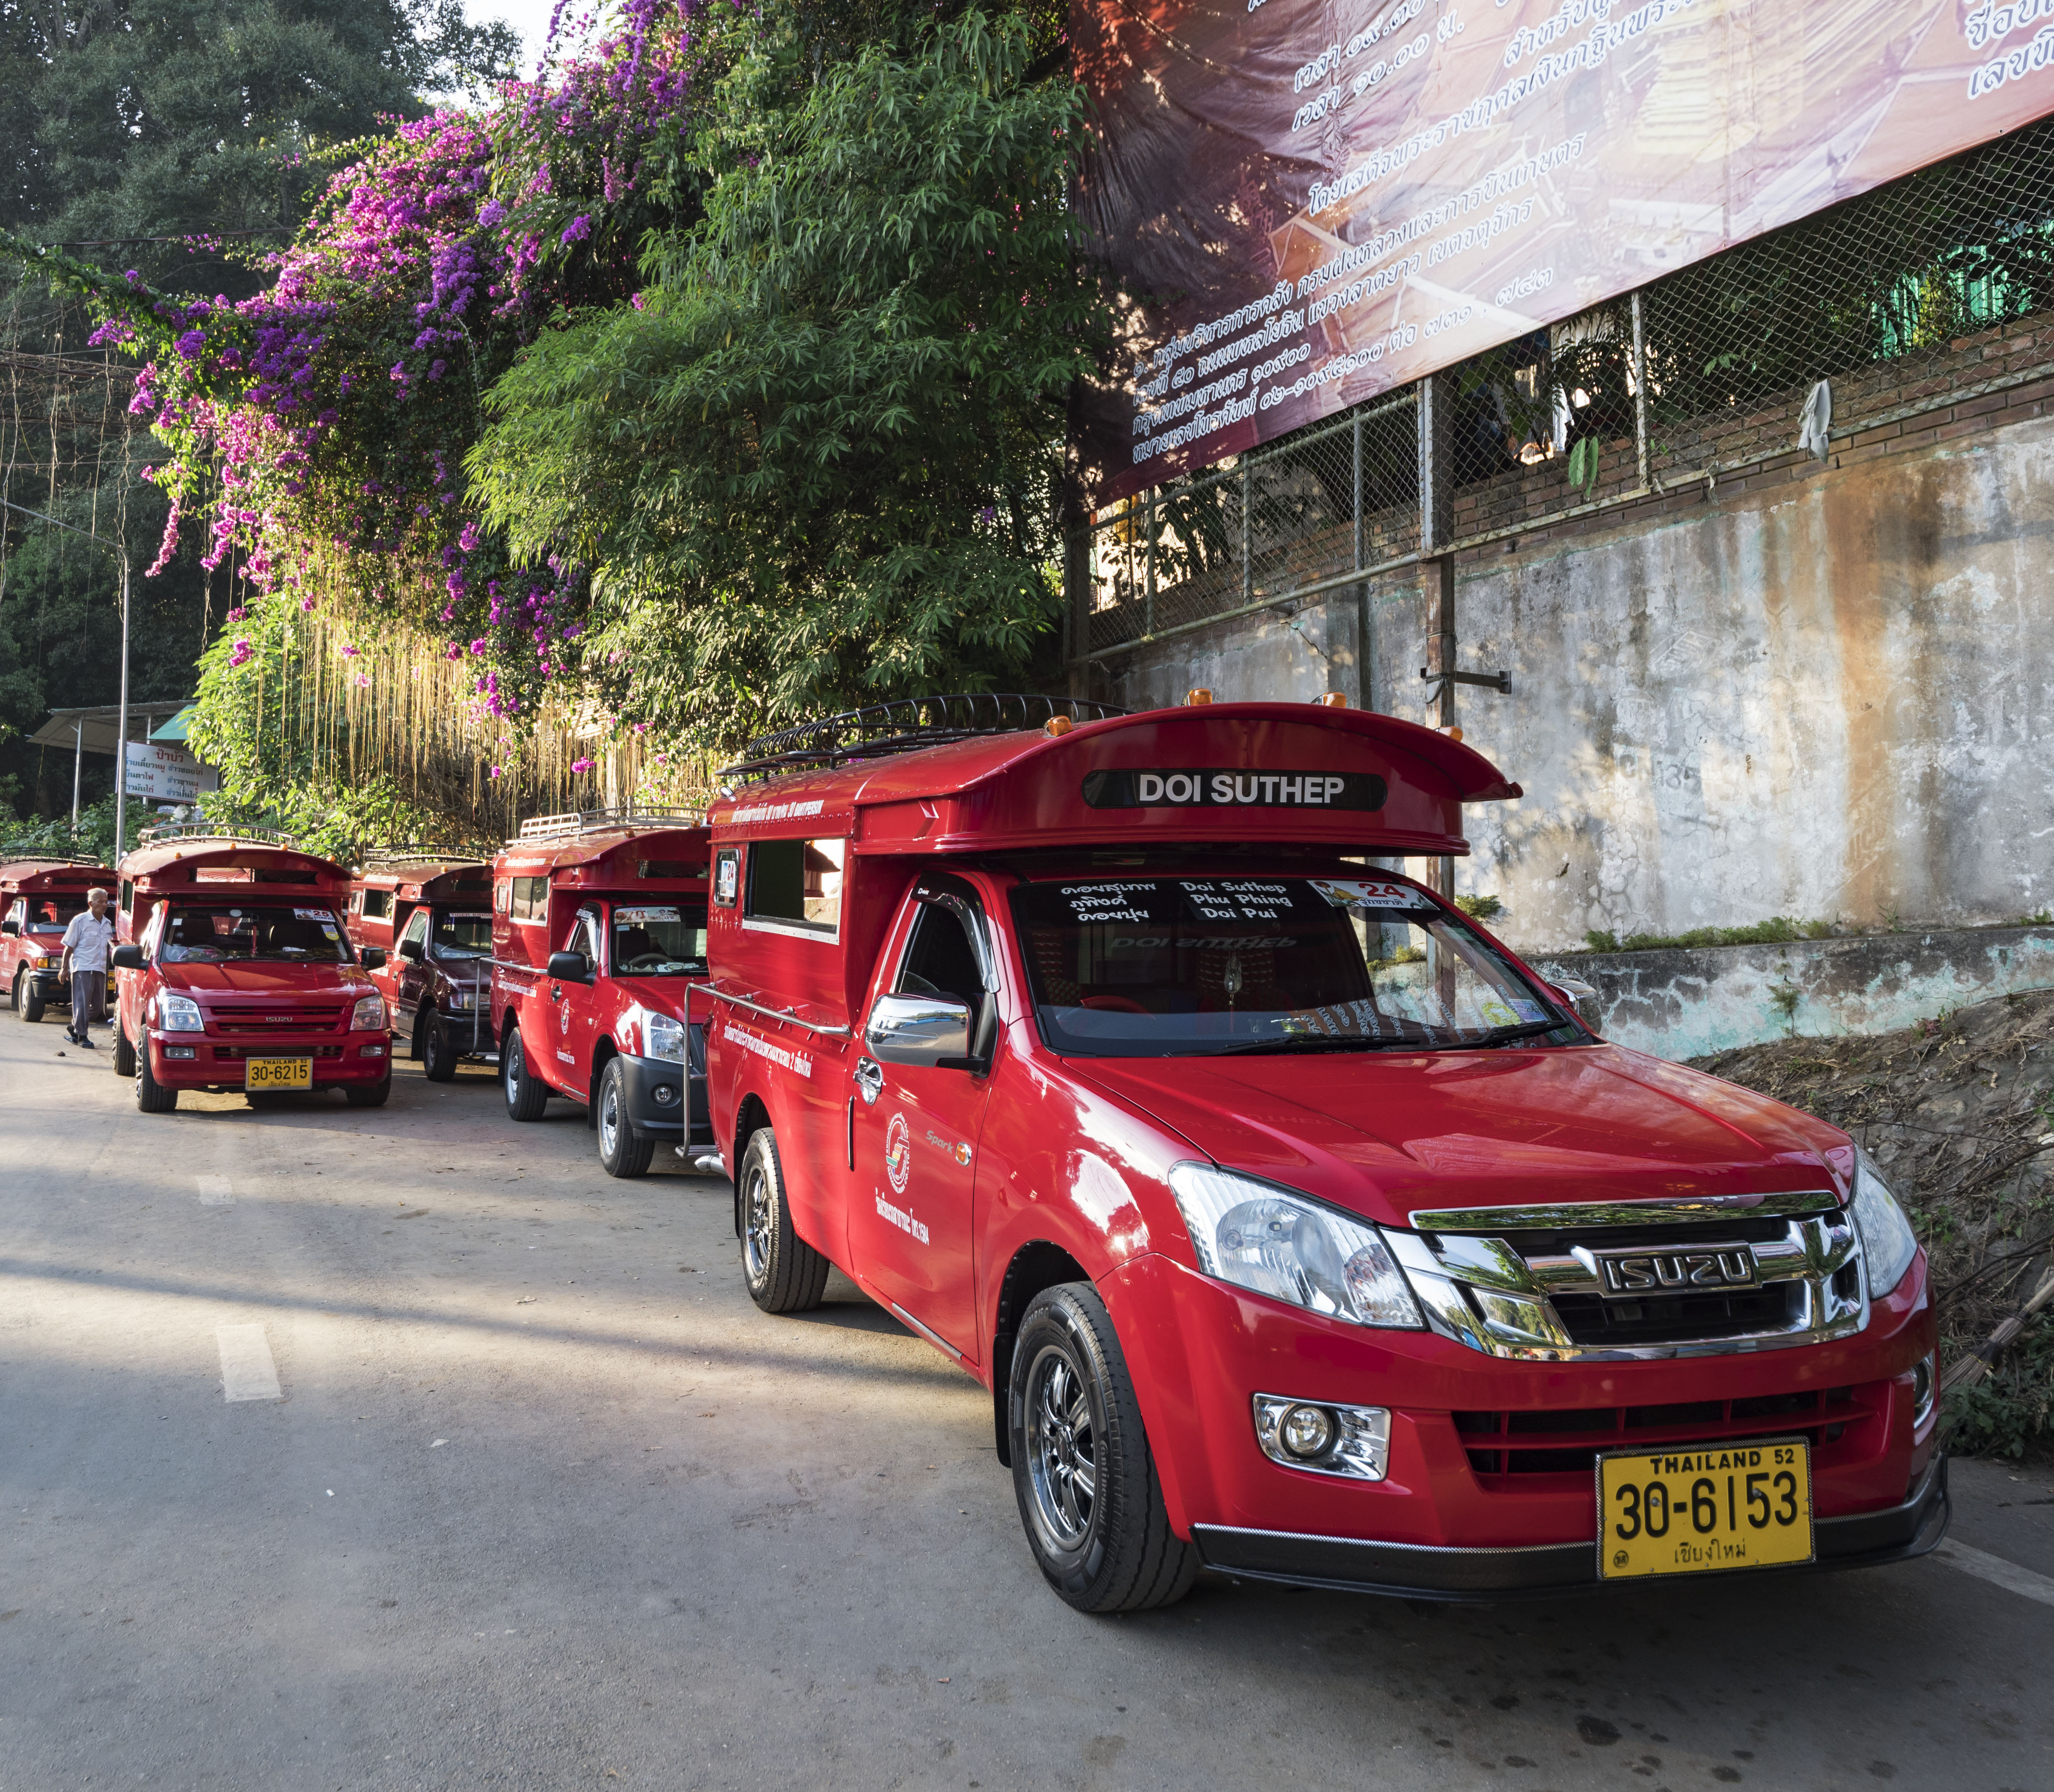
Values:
[(546, 1502)]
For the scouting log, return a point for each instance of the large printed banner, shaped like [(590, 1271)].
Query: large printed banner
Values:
[(1320, 199)]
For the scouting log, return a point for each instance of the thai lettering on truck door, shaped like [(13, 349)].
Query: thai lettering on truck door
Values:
[(919, 1112)]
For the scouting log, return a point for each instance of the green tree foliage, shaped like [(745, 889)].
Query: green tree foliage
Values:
[(819, 460)]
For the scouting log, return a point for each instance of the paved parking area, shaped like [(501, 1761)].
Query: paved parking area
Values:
[(544, 1501)]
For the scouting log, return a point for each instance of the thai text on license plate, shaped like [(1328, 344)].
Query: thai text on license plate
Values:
[(278, 1073), (1688, 1510)]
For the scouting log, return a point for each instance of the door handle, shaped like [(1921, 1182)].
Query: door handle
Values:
[(869, 1079), (555, 992)]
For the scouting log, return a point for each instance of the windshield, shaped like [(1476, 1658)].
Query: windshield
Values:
[(46, 916), (1150, 967), (214, 933), (460, 937), (659, 939)]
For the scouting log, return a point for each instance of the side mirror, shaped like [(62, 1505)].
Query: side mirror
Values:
[(1574, 993), (13, 927), (569, 967), (374, 958), (409, 949), (920, 1030), (127, 958)]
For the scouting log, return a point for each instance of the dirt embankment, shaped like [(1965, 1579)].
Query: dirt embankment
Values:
[(1958, 1114)]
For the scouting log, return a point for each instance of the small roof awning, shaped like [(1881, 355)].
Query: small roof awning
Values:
[(92, 729), (174, 729)]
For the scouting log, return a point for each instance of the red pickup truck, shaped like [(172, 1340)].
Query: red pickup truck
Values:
[(1299, 1230), (598, 940), (233, 971), (431, 914), (37, 899)]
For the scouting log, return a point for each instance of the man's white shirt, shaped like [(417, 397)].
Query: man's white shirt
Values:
[(89, 940)]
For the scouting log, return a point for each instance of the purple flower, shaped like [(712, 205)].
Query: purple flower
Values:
[(580, 228), (492, 214), (190, 345)]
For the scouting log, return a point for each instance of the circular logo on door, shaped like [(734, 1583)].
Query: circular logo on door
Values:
[(898, 1154), (564, 1018)]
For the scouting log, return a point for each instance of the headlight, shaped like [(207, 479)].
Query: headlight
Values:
[(369, 1015), (1888, 1243), (662, 1037), (1287, 1247), (178, 1013), (461, 1000)]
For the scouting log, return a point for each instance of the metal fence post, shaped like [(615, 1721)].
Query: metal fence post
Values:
[(1639, 393), (1436, 439), (1365, 678), (1148, 621), (1247, 533)]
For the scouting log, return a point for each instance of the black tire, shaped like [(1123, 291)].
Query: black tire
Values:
[(432, 1047), (784, 1272), (621, 1152), (152, 1096), (124, 1054), (357, 1096), (526, 1096), (28, 998), (1102, 1537)]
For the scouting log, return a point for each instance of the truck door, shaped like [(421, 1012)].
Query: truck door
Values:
[(576, 1007), (406, 973), (918, 1112)]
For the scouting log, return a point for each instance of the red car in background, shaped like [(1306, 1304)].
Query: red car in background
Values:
[(598, 938), (37, 899), (432, 913), (1299, 1230), (233, 972)]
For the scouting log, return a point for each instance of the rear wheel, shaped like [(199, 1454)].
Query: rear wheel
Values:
[(152, 1096), (526, 1096), (784, 1274), (124, 1054), (1082, 1470), (28, 998), (432, 1047), (621, 1153)]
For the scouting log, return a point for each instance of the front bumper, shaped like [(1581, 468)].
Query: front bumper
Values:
[(54, 994), (649, 1117), (1545, 1570), (340, 1060)]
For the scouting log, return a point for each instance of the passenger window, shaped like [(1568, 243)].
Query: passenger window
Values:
[(502, 896), (377, 904), (940, 961), (584, 938), (797, 883), (417, 929)]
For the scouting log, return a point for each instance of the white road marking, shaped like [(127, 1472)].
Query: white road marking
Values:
[(214, 1192), (1997, 1571), (247, 1372)]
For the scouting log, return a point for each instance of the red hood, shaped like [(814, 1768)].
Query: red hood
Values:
[(1385, 1134), (266, 982)]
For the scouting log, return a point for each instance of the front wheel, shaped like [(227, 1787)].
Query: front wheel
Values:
[(124, 1054), (152, 1096), (1082, 1470), (432, 1047), (621, 1153), (784, 1274), (526, 1096), (357, 1095), (28, 998)]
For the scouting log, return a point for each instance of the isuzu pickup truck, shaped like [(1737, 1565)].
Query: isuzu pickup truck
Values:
[(1299, 1230), (431, 915), (37, 899)]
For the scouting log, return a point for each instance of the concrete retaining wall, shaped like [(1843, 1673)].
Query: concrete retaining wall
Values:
[(1689, 1001)]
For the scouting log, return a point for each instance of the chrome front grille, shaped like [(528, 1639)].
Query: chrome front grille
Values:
[(1638, 1280)]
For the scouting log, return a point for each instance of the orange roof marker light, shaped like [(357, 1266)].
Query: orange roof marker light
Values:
[(1196, 695), (1333, 699), (1056, 727)]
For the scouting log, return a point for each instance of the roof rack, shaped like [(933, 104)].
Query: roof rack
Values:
[(419, 855), (906, 725), (86, 860), (570, 825), (184, 831)]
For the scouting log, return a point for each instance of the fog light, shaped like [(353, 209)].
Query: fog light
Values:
[(180, 1051), (1307, 1431), (663, 1094), (1350, 1440), (1923, 1383), (371, 1051)]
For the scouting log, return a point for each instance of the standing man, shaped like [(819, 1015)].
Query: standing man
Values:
[(87, 943)]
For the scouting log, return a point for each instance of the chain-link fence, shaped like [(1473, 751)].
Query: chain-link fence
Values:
[(1929, 293)]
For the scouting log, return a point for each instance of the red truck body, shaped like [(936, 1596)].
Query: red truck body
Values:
[(432, 917), (1399, 1259), (233, 972), (598, 941), (37, 899)]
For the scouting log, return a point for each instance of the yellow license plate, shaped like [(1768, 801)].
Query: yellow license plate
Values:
[(1694, 1510), (278, 1073)]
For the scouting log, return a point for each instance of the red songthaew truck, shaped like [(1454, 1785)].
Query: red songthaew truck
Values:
[(431, 914), (37, 899), (1298, 1228), (598, 940), (234, 972)]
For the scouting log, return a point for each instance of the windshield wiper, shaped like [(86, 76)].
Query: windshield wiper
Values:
[(1316, 1042), (1503, 1036)]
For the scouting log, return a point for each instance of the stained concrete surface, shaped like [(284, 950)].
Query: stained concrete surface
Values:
[(547, 1503)]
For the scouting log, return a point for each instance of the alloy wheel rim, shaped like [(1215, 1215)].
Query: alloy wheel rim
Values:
[(609, 1119), (1062, 1450), (756, 1229), (513, 1073)]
